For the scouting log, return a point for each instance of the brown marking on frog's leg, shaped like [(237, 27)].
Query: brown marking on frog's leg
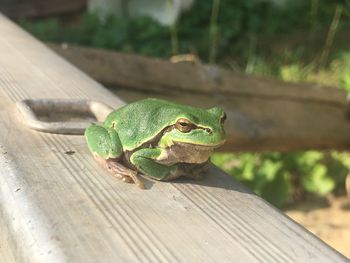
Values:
[(120, 171)]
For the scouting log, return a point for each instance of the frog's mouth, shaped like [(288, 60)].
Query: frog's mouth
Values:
[(199, 146)]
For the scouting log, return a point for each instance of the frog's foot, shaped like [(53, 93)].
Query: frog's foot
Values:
[(120, 171), (125, 174)]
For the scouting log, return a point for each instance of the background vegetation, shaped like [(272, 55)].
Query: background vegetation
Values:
[(240, 35)]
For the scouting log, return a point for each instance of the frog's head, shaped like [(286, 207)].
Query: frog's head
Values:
[(197, 129)]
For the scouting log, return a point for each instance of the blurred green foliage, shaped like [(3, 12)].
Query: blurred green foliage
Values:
[(282, 178), (232, 37), (141, 35), (238, 25), (285, 177)]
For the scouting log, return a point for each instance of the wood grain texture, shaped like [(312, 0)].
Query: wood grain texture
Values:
[(18, 9), (64, 208), (263, 114), (137, 72)]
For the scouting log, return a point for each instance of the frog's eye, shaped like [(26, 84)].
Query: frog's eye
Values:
[(184, 125), (223, 118)]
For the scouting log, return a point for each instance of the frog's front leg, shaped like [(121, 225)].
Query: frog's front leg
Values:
[(105, 145), (145, 162)]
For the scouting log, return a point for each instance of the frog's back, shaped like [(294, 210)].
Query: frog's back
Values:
[(140, 121)]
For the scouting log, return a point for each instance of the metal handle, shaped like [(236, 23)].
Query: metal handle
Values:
[(62, 116)]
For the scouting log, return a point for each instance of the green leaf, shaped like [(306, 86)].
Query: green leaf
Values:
[(317, 181), (277, 192), (269, 169)]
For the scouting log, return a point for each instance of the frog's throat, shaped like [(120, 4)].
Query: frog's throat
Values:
[(181, 152)]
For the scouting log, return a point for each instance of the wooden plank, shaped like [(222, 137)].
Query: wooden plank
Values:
[(40, 8), (65, 208), (263, 114), (137, 72)]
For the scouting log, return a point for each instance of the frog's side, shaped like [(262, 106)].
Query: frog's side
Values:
[(160, 139)]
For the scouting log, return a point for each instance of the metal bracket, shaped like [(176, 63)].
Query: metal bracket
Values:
[(62, 116)]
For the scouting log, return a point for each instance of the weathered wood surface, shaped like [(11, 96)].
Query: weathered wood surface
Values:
[(137, 72), (263, 114), (61, 207), (40, 8)]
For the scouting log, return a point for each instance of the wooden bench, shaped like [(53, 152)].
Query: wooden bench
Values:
[(58, 205)]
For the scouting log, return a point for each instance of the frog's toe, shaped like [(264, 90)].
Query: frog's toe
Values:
[(120, 171), (126, 179), (125, 174)]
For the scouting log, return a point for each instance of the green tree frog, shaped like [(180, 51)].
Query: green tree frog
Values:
[(159, 139)]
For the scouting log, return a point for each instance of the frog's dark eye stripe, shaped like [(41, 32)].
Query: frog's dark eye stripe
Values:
[(184, 125), (223, 118)]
